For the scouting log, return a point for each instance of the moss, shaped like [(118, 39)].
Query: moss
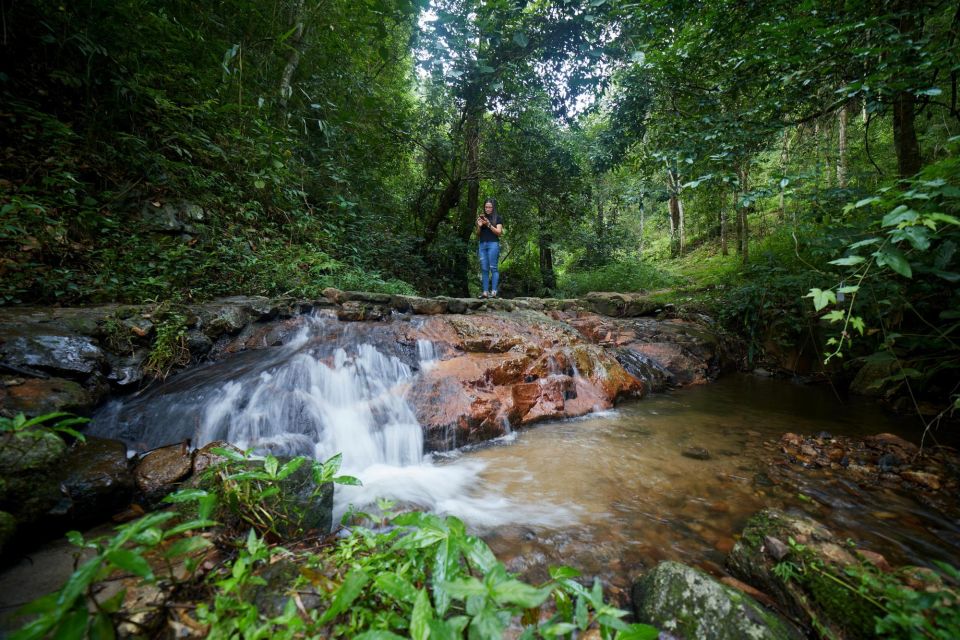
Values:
[(842, 605)]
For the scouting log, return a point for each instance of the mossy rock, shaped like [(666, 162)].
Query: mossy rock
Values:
[(810, 596), (688, 603), (29, 466), (8, 526)]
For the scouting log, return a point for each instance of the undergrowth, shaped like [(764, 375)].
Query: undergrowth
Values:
[(410, 575)]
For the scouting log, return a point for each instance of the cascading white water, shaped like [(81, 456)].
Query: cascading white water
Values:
[(310, 398), (352, 406)]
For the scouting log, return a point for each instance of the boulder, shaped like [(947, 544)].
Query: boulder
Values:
[(96, 479), (38, 396), (158, 472), (73, 356), (687, 603), (29, 472), (812, 598)]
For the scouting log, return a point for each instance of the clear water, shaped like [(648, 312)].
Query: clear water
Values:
[(630, 499), (609, 494)]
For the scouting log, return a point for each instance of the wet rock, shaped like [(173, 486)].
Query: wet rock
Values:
[(205, 457), (697, 453), (775, 548), (657, 377), (271, 593), (889, 462), (8, 526), (219, 320), (358, 311), (628, 305), (38, 396), (922, 478), (127, 370), (420, 306), (688, 603), (198, 343), (29, 468), (873, 379), (815, 598), (66, 355), (97, 479), (312, 503), (158, 471)]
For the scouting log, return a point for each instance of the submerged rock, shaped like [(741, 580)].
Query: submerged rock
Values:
[(687, 603)]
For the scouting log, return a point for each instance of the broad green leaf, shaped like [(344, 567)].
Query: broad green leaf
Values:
[(378, 634), (900, 215), (345, 594), (270, 465), (130, 561), (186, 495), (849, 289), (190, 525), (290, 467), (835, 316), (857, 323), (863, 243), (186, 546), (348, 481), (942, 217), (73, 626), (848, 261), (421, 616), (917, 236), (520, 594), (894, 258), (866, 201), (638, 631), (396, 587), (558, 629), (520, 39), (563, 572), (102, 628), (465, 587), (821, 298), (488, 625)]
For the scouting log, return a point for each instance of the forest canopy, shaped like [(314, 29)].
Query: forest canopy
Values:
[(747, 154)]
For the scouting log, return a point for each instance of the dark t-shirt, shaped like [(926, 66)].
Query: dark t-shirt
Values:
[(489, 236)]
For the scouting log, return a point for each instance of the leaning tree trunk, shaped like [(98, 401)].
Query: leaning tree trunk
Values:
[(742, 213), (293, 59), (784, 159), (676, 214), (842, 147), (723, 230)]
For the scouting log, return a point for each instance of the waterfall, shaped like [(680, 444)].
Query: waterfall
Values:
[(326, 391)]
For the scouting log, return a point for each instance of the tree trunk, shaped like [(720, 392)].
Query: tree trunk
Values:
[(905, 140), (676, 214), (842, 147), (547, 275), (784, 158), (905, 135), (723, 229), (742, 213), (293, 59), (642, 224)]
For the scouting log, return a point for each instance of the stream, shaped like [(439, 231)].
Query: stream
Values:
[(610, 493)]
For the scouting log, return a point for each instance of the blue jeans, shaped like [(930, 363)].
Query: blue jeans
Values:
[(489, 257)]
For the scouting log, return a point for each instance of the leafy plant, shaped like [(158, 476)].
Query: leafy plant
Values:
[(59, 421), (75, 611), (254, 491)]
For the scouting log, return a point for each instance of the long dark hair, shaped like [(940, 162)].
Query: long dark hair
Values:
[(493, 202)]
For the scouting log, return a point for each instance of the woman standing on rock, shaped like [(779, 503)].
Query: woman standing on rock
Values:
[(489, 230)]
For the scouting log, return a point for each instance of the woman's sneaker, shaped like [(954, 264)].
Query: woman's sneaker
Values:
[(493, 294), (484, 295)]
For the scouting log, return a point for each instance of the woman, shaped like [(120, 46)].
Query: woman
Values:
[(489, 230)]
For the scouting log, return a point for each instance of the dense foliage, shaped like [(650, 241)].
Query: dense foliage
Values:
[(413, 575), (171, 151)]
